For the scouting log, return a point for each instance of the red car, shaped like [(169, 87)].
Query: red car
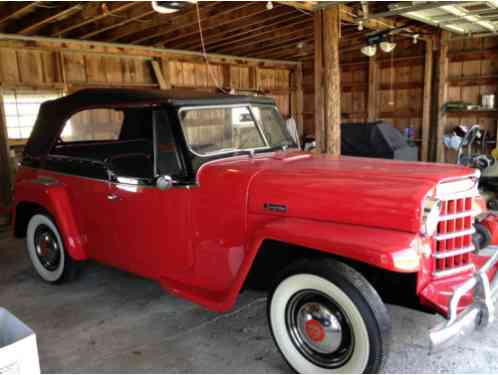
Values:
[(209, 194)]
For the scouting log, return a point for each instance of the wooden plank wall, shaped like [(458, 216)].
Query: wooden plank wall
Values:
[(472, 72), (71, 65)]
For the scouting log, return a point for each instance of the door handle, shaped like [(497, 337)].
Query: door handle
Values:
[(112, 197)]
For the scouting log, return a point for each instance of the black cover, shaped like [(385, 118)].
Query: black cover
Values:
[(375, 140), (54, 113)]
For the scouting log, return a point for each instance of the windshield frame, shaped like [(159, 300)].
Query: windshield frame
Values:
[(257, 123)]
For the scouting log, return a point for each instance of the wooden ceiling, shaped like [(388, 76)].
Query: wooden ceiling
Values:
[(246, 29)]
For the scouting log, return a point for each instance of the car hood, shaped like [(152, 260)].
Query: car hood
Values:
[(359, 191)]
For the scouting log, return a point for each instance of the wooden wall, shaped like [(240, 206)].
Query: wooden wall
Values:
[(69, 65)]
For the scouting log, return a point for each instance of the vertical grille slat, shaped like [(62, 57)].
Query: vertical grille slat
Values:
[(453, 240)]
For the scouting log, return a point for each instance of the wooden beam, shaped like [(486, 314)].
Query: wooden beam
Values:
[(16, 12), (134, 15), (179, 28), (426, 106), (89, 15), (227, 76), (303, 5), (221, 36), (297, 98), (156, 67), (318, 82), (373, 87), (442, 94), (5, 173), (253, 78), (161, 22), (331, 37), (42, 21)]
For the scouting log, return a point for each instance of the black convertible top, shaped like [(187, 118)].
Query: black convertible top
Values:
[(54, 113)]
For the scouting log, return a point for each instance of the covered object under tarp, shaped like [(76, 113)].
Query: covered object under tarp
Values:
[(376, 140)]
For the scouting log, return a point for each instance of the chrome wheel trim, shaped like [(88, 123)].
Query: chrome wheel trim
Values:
[(319, 329), (277, 312), (47, 247), (45, 274)]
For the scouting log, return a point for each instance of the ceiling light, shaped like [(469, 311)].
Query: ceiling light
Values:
[(168, 7), (387, 46), (360, 26), (369, 50), (415, 38), (269, 5)]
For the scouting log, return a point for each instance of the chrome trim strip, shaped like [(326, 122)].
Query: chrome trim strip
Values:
[(452, 253), (449, 236), (454, 270), (458, 215)]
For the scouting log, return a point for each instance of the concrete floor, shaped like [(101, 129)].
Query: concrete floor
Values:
[(111, 321)]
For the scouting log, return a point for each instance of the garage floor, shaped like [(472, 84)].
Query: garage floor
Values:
[(109, 320)]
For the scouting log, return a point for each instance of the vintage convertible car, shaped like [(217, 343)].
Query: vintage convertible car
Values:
[(209, 194)]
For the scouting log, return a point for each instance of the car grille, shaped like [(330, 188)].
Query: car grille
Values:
[(453, 240)]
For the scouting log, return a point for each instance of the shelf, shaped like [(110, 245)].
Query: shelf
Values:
[(493, 113)]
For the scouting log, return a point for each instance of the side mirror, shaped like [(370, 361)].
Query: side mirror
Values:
[(164, 182)]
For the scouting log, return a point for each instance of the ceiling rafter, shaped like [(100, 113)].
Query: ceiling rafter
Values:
[(220, 36), (91, 14), (156, 21), (290, 43), (48, 17), (270, 35), (216, 20), (135, 14), (16, 11)]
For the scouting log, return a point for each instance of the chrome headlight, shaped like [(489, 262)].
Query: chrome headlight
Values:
[(431, 212)]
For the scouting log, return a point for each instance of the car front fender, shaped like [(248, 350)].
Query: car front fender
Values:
[(377, 247), (53, 197)]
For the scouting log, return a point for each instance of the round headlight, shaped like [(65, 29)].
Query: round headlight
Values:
[(430, 215)]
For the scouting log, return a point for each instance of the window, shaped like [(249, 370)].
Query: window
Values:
[(21, 109), (103, 124), (217, 129), (273, 126)]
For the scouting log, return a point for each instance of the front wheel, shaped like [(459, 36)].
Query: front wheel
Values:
[(326, 318)]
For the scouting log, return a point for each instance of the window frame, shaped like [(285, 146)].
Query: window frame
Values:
[(257, 124)]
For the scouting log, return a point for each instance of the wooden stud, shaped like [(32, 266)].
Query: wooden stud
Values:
[(442, 94), (426, 106), (5, 173), (227, 76), (318, 82), (373, 86), (32, 28), (253, 78), (332, 70)]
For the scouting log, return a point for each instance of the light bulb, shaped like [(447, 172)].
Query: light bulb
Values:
[(387, 46), (269, 5), (369, 50), (360, 26)]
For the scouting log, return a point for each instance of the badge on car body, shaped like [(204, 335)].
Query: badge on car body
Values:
[(275, 207)]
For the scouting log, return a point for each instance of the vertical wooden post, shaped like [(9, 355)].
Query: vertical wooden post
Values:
[(442, 94), (227, 76), (5, 176), (318, 82), (297, 97), (166, 75), (373, 84), (156, 67), (426, 107), (331, 36), (253, 78)]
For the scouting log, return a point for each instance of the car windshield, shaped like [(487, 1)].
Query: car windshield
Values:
[(213, 130)]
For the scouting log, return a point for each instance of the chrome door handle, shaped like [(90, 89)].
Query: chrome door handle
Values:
[(112, 197)]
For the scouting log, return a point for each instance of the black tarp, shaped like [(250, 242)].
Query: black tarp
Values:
[(375, 140)]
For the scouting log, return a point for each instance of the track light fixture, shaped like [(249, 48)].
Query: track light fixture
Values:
[(387, 47), (369, 50), (168, 7)]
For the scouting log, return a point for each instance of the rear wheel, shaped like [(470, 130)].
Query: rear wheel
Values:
[(46, 251), (326, 318)]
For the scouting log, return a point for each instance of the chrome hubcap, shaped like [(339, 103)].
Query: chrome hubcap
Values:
[(319, 329), (47, 248)]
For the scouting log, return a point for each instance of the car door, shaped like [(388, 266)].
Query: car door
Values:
[(152, 226)]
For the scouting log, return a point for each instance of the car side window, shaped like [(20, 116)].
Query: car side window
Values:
[(120, 139), (102, 124)]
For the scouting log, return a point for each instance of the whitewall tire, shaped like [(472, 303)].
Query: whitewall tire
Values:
[(46, 250), (326, 318)]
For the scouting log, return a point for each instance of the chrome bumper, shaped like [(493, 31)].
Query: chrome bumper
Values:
[(476, 316)]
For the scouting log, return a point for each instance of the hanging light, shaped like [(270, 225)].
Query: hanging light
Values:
[(269, 5), (387, 47), (415, 38), (360, 26), (168, 7), (369, 50)]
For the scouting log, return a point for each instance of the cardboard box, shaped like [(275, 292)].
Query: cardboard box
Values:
[(18, 350)]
